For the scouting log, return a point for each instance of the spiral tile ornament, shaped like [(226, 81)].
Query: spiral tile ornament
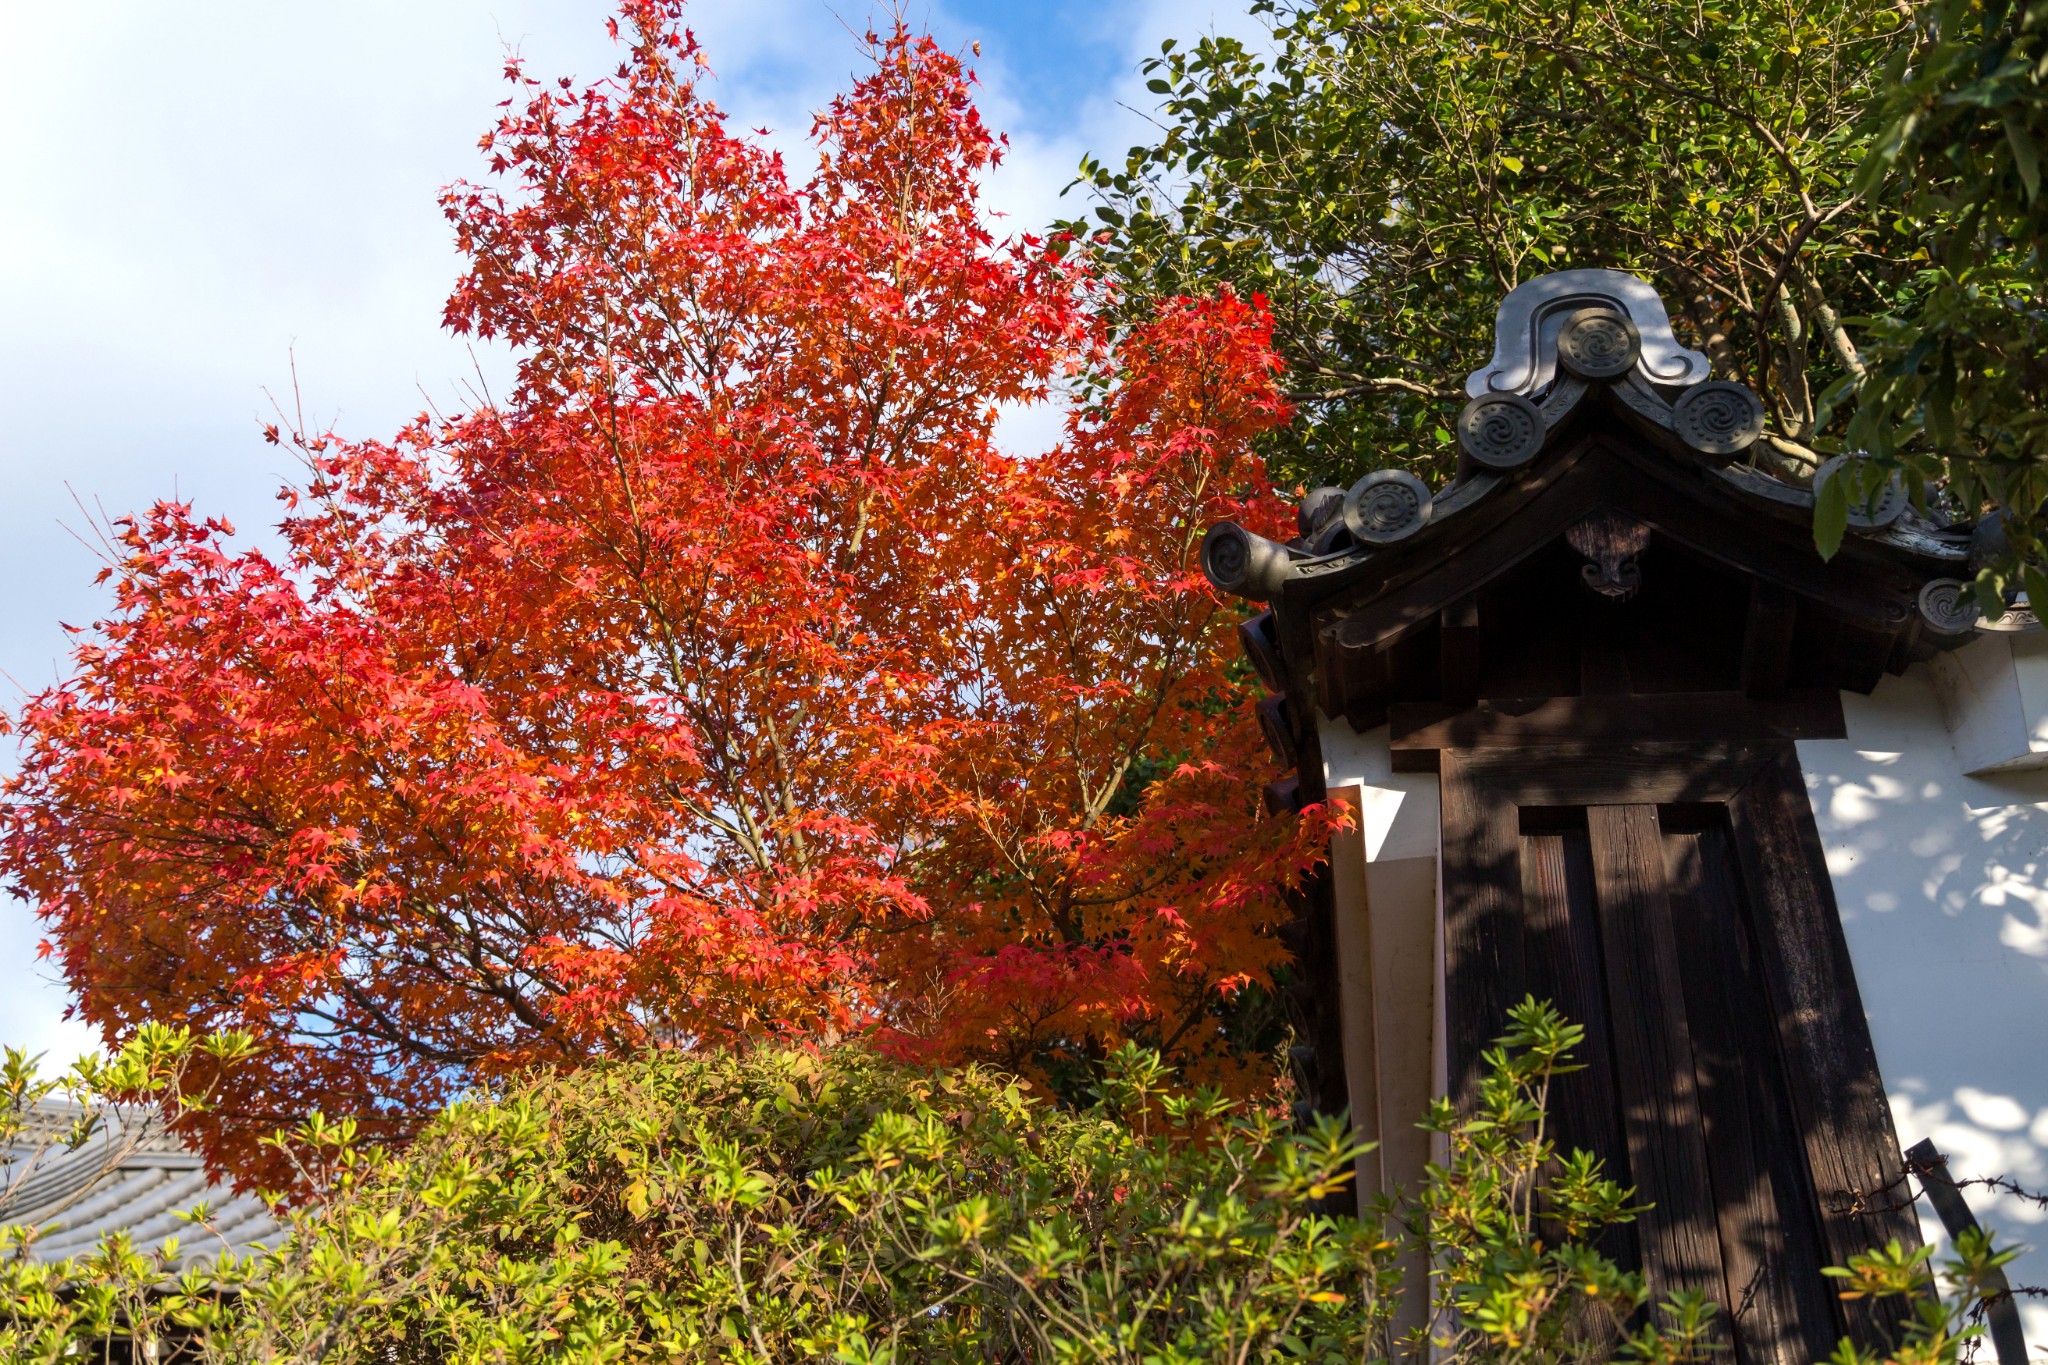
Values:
[(1256, 638), (1246, 565), (1226, 555), (1501, 430), (1319, 506), (1598, 343), (1525, 356), (1272, 714), (1386, 506), (1718, 418), (1867, 513), (1949, 607), (1989, 540)]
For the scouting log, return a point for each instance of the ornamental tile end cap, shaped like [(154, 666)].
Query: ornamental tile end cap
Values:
[(1526, 329)]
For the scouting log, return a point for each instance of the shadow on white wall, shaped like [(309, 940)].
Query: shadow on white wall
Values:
[(1942, 880)]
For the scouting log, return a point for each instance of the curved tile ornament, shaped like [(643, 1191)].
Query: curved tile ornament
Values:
[(1949, 607), (1317, 510), (1866, 514), (1718, 418), (1575, 343), (1385, 506), (1501, 430), (1598, 343), (1535, 313), (1241, 562)]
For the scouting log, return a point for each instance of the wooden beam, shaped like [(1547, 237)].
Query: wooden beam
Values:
[(1771, 1241), (1514, 722), (1859, 656), (1603, 653), (1393, 593), (1767, 638), (1483, 916), (1458, 629), (1837, 1096)]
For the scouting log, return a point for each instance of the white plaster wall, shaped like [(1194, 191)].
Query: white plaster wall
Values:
[(1942, 880), (1400, 814), (1386, 891), (1401, 821)]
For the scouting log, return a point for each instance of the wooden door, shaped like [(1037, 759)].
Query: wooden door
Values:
[(1674, 901)]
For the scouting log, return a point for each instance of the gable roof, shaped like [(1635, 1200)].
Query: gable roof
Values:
[(1591, 424)]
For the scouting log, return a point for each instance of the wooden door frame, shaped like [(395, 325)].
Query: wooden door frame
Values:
[(1837, 1097)]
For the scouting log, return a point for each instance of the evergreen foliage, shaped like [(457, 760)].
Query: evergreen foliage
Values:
[(787, 1205)]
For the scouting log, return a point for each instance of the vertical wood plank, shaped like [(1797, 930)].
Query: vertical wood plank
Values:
[(1838, 1101), (1780, 1306), (1458, 662), (1679, 1234), (1401, 895), (1563, 958), (1483, 972), (1318, 964), (1603, 655)]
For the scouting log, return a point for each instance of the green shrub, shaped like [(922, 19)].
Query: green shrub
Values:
[(785, 1205)]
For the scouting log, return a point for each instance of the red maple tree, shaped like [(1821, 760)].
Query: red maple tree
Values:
[(725, 679)]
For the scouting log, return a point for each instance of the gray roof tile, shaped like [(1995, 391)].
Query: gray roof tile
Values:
[(132, 1177)]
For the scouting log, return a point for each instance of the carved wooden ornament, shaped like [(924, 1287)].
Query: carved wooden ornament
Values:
[(1612, 541)]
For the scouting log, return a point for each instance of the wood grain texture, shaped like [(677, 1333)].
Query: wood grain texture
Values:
[(1767, 640), (1612, 541), (1764, 1139), (1679, 1233), (1603, 648), (1325, 1029), (1411, 587), (1781, 1309), (1617, 773), (1838, 1100), (1562, 953), (1483, 972), (1458, 642)]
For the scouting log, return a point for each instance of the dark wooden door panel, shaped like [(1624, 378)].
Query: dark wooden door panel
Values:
[(1482, 921), (1561, 944), (1673, 900), (1562, 952)]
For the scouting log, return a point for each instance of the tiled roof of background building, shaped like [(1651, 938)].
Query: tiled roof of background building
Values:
[(130, 1176)]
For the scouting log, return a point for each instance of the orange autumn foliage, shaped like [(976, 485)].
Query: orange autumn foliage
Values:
[(725, 679)]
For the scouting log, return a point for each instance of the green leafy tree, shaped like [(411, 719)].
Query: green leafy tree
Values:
[(1958, 363), (1384, 172)]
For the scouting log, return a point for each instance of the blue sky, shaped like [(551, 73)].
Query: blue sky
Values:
[(196, 198)]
